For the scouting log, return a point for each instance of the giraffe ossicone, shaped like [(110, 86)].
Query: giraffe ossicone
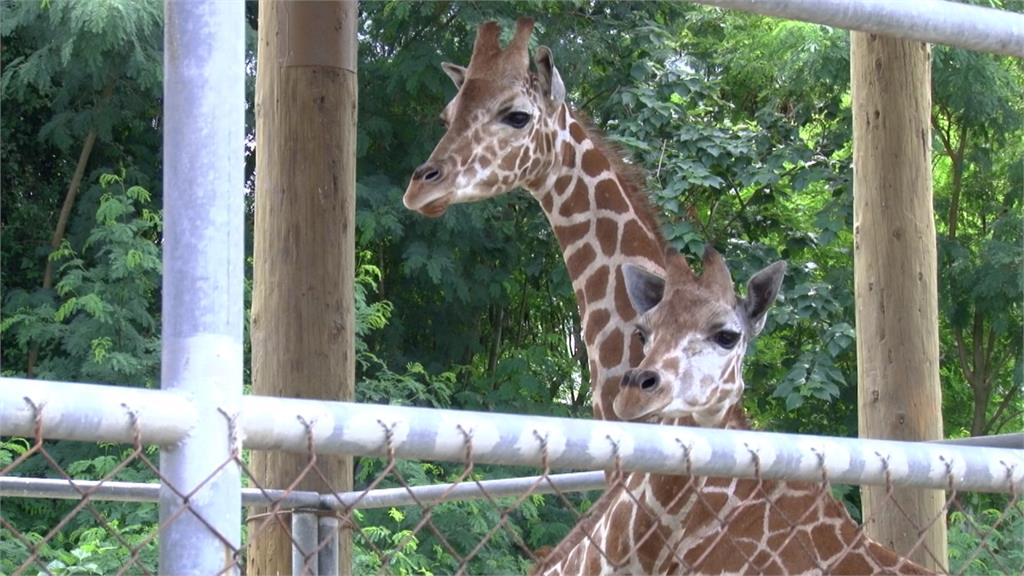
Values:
[(509, 127), (696, 331)]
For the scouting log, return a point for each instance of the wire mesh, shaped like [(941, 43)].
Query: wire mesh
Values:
[(640, 523)]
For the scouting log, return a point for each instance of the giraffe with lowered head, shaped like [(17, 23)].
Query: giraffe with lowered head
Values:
[(696, 332), (510, 127)]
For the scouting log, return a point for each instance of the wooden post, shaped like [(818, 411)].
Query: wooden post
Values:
[(895, 278), (302, 309)]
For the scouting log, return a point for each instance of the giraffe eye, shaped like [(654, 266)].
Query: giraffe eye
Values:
[(516, 119), (642, 336), (726, 339)]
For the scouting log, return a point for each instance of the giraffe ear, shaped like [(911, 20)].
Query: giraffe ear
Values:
[(550, 79), (645, 289), (455, 72), (762, 290)]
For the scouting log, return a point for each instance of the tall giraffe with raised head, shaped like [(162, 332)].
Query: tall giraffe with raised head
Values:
[(696, 333), (510, 127)]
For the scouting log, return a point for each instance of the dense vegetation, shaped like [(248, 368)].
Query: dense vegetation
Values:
[(741, 122)]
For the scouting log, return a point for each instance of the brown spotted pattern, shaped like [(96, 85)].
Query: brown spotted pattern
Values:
[(591, 198), (660, 524), (644, 524)]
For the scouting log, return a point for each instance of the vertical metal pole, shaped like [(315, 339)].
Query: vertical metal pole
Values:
[(204, 99), (304, 543), (327, 556)]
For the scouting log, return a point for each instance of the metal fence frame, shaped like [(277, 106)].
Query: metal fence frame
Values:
[(936, 21), (269, 423), (117, 414), (203, 278), (200, 419)]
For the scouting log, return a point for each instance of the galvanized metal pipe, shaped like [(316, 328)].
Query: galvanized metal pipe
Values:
[(1012, 440), (436, 493), (304, 543), (204, 138), (340, 427), (350, 428), (937, 21), (327, 556), (23, 487), (94, 413)]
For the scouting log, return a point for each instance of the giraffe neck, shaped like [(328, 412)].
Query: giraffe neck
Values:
[(665, 524), (601, 223)]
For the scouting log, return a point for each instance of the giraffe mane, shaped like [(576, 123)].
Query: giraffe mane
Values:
[(633, 178)]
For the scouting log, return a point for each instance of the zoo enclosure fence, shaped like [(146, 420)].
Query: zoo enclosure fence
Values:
[(137, 417)]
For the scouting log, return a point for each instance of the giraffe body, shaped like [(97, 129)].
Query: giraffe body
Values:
[(696, 333)]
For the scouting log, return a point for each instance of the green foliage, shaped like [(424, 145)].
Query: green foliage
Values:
[(98, 324), (378, 383), (985, 537), (979, 173), (87, 550), (83, 545), (752, 155), (419, 541), (71, 69)]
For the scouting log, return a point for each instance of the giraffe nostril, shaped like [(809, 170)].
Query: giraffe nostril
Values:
[(648, 381), (643, 379), (427, 173)]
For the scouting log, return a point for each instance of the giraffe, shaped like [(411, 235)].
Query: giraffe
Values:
[(696, 332), (510, 127)]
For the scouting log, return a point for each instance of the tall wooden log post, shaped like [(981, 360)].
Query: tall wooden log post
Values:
[(895, 278), (302, 309)]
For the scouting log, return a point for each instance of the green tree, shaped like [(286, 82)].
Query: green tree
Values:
[(83, 81), (101, 327), (978, 121)]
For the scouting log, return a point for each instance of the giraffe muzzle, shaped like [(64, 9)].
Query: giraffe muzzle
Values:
[(641, 395), (423, 193)]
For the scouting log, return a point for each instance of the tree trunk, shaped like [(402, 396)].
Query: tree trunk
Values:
[(494, 351), (58, 231), (303, 301), (895, 278)]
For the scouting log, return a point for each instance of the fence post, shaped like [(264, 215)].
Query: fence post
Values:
[(895, 279), (304, 542), (327, 556), (204, 99)]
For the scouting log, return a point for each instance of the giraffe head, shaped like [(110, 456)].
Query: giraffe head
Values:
[(695, 332), (500, 125)]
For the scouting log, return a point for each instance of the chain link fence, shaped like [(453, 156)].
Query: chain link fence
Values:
[(83, 508)]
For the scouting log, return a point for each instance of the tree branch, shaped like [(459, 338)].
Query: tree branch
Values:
[(977, 345), (1006, 401), (961, 352), (990, 347)]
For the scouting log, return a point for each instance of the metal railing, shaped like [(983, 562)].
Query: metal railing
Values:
[(937, 21)]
